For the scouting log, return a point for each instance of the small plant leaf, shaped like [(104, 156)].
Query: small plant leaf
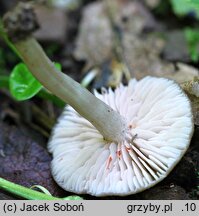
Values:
[(22, 83), (192, 38), (186, 7)]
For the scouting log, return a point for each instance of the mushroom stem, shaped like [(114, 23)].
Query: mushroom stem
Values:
[(19, 25), (110, 124)]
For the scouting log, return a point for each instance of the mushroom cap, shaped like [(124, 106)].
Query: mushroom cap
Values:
[(159, 116)]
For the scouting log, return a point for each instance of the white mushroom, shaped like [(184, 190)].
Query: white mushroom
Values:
[(117, 144), (159, 117)]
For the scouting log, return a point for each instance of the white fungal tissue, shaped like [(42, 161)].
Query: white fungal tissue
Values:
[(160, 120)]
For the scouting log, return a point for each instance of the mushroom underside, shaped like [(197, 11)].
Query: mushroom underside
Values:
[(159, 118)]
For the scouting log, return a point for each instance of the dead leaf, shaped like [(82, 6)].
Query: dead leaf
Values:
[(24, 161), (130, 16), (96, 37), (142, 56), (115, 34), (183, 73), (94, 42), (192, 90)]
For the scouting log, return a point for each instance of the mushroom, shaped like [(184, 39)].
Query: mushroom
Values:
[(116, 143), (159, 117)]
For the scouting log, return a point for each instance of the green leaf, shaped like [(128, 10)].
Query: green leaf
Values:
[(192, 38), (184, 7), (22, 83)]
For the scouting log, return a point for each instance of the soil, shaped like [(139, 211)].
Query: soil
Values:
[(24, 157)]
